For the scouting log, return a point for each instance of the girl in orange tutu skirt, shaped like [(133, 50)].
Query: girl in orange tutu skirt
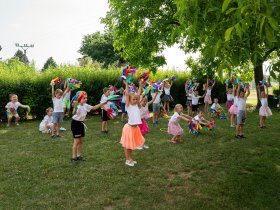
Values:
[(131, 134), (174, 127), (264, 111)]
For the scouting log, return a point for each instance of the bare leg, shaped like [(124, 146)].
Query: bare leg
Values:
[(242, 129), (53, 128), (74, 147), (167, 104), (79, 147), (58, 129), (103, 126), (17, 119), (127, 153), (9, 121)]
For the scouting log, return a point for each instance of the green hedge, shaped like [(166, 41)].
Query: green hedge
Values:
[(33, 88)]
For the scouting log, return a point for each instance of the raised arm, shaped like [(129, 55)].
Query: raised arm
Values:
[(140, 88), (126, 93), (53, 95), (238, 89), (227, 87), (248, 92), (66, 90), (266, 91)]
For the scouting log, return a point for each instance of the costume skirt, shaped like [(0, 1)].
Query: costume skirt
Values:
[(174, 128), (229, 104), (233, 109), (265, 111), (144, 128), (208, 100), (131, 137)]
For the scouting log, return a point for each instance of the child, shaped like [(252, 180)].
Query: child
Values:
[(124, 113), (189, 101), (104, 109), (167, 97), (200, 119), (233, 108), (66, 100), (131, 134), (195, 99), (216, 109), (207, 99), (156, 105), (241, 110), (57, 98), (230, 97), (46, 123), (264, 111), (144, 112), (12, 108), (77, 124), (174, 127)]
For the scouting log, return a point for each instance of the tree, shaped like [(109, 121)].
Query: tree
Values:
[(21, 56), (50, 63), (228, 33), (100, 48)]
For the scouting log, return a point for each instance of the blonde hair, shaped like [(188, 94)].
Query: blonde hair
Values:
[(177, 106), (105, 89), (11, 95), (58, 91), (48, 110), (131, 94)]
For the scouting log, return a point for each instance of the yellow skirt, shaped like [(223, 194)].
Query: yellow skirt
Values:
[(131, 137)]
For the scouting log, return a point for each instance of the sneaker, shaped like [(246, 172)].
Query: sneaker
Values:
[(8, 125), (53, 136), (73, 160), (134, 161), (146, 146), (106, 131), (17, 124), (140, 148), (80, 158), (129, 163), (156, 122), (237, 136), (174, 141), (58, 136), (242, 137)]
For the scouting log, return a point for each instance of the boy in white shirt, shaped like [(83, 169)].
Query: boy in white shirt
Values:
[(57, 98), (156, 105), (216, 109), (46, 123), (195, 98), (241, 113), (12, 108)]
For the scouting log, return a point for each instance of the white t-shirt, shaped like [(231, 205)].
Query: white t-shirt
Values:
[(230, 97), (112, 92), (104, 99), (123, 98), (197, 119), (215, 106), (241, 104), (235, 101), (81, 112), (47, 120), (67, 95), (175, 117), (134, 116), (208, 92), (157, 100), (57, 104), (264, 102), (195, 99), (167, 91), (144, 111), (14, 105)]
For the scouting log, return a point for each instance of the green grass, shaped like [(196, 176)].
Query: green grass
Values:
[(210, 171)]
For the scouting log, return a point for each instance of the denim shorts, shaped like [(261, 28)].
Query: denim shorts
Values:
[(156, 107), (57, 117), (241, 117), (123, 108)]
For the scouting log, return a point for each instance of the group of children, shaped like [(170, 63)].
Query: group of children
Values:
[(135, 105)]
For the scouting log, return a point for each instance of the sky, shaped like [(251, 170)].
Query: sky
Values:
[(56, 28)]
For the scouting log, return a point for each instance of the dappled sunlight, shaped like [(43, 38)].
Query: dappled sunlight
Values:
[(4, 131)]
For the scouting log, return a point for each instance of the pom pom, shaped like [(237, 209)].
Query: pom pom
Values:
[(127, 74), (174, 78), (77, 98), (73, 83), (57, 80)]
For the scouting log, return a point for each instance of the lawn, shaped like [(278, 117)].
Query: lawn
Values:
[(209, 171)]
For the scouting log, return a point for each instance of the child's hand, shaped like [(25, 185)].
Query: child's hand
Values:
[(124, 82), (52, 83)]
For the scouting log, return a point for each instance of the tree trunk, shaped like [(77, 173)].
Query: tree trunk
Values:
[(258, 74)]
